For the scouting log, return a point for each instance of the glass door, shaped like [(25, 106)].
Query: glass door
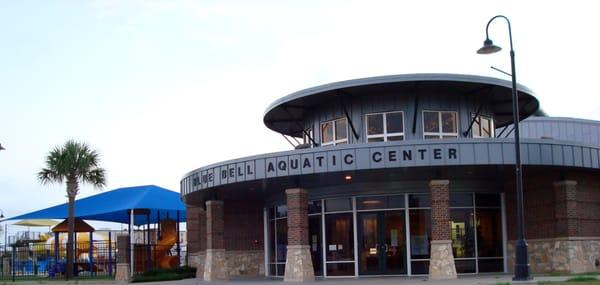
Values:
[(369, 244), (394, 243), (382, 245)]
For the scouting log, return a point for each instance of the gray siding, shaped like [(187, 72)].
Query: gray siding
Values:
[(359, 107), (561, 129), (392, 155)]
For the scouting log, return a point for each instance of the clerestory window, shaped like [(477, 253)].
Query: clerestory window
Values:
[(334, 132), (383, 127), (440, 124)]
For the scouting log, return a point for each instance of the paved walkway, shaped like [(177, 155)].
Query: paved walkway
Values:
[(462, 280)]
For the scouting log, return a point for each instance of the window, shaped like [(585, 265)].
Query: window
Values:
[(419, 215), (334, 132), (277, 239), (476, 232), (483, 127), (440, 124), (385, 127)]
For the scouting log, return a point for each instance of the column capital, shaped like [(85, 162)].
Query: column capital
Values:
[(439, 182), (295, 191), (214, 202), (565, 183)]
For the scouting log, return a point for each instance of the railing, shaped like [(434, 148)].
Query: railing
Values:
[(41, 261)]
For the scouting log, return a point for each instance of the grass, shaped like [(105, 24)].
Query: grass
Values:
[(577, 280)]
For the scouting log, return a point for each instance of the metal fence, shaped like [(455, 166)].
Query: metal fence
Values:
[(42, 261)]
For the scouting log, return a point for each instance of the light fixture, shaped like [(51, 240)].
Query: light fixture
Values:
[(488, 47), (348, 177)]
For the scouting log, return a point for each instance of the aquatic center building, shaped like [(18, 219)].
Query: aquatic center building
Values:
[(400, 175)]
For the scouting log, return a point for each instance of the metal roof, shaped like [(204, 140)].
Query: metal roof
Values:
[(287, 114)]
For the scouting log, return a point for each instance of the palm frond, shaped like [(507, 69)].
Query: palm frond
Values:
[(73, 160), (96, 177)]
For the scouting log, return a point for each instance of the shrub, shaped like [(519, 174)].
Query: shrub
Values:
[(177, 273)]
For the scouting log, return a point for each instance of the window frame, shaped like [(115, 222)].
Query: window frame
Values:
[(335, 141), (440, 133), (385, 133), (477, 119)]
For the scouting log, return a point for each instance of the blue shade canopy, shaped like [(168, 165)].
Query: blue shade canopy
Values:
[(115, 206)]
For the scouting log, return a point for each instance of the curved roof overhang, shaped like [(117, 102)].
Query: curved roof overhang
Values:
[(287, 114)]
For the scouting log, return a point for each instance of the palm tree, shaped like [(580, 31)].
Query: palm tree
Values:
[(74, 162)]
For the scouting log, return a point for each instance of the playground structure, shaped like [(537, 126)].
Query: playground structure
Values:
[(164, 245), (153, 241), (160, 251)]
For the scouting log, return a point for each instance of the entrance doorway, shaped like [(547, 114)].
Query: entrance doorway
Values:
[(382, 243)]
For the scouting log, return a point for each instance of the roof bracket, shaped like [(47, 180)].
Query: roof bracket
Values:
[(465, 133), (350, 122), (414, 129), (501, 132), (348, 115), (285, 108)]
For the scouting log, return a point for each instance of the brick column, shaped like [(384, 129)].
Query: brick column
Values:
[(122, 273), (298, 263), (565, 211), (441, 263), (215, 265), (196, 238)]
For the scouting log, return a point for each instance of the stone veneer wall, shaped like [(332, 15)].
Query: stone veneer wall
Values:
[(249, 263), (569, 255), (196, 259)]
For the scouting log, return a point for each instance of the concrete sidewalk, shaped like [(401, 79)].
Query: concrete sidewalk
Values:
[(462, 280)]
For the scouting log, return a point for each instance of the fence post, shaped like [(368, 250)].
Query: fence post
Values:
[(91, 259), (109, 254), (56, 248), (12, 265)]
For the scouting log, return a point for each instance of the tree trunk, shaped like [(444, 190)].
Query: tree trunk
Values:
[(72, 189), (71, 227)]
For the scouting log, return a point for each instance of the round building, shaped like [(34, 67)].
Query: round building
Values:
[(400, 175)]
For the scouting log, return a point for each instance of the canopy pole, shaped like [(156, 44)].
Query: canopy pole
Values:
[(148, 251), (158, 232), (148, 228), (131, 222), (178, 243)]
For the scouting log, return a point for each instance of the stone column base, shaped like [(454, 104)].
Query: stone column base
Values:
[(215, 265), (441, 264), (122, 273), (298, 264), (196, 259)]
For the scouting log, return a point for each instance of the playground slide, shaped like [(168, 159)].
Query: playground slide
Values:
[(163, 246)]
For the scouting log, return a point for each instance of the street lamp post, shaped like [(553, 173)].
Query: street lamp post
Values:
[(522, 269)]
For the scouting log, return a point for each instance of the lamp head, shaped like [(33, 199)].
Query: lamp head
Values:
[(1, 214), (488, 47)]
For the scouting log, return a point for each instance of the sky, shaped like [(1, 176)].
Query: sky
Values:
[(160, 88)]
